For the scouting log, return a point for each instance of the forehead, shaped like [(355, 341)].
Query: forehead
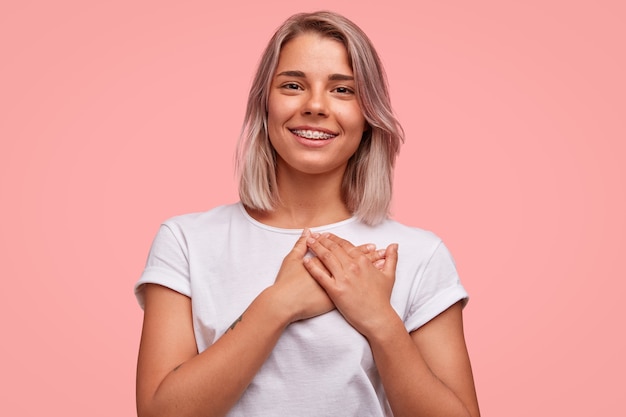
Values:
[(314, 51)]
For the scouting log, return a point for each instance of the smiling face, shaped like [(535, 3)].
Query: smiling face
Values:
[(315, 123)]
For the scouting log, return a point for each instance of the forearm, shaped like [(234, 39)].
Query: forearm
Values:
[(210, 383), (410, 385)]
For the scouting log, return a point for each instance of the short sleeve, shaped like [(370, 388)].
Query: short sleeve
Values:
[(167, 265), (439, 288)]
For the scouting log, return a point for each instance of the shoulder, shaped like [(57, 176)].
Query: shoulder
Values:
[(416, 245), (201, 221), (418, 248), (409, 237)]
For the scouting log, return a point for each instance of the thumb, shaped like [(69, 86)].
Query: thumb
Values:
[(300, 248), (391, 259)]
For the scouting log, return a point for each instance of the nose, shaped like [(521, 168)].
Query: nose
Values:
[(315, 103)]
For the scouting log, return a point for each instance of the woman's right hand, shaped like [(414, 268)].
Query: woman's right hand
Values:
[(298, 291)]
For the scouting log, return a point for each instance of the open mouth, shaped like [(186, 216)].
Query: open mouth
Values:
[(313, 134)]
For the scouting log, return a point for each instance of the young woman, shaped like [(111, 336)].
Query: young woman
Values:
[(281, 305)]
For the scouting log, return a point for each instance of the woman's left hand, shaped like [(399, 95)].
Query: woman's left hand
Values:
[(360, 290)]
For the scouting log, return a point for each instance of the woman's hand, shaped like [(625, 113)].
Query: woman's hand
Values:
[(296, 289), (301, 294), (359, 287)]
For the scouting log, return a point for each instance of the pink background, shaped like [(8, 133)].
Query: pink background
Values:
[(117, 115)]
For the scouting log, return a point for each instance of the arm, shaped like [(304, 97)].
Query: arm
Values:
[(426, 373), (174, 380)]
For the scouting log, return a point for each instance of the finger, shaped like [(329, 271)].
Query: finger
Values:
[(377, 257), (319, 272), (300, 247), (379, 264), (339, 248), (366, 248), (327, 252), (379, 261), (391, 259), (316, 263), (346, 245)]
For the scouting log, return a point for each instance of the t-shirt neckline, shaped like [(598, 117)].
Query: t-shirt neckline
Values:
[(275, 229)]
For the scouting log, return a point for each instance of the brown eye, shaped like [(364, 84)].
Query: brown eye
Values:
[(344, 90), (291, 86)]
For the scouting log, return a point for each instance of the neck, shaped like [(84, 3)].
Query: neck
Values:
[(306, 201)]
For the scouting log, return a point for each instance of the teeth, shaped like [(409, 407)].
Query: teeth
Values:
[(313, 134)]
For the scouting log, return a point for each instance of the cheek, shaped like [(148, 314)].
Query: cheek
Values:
[(271, 113), (278, 113), (354, 118), (274, 106), (358, 126)]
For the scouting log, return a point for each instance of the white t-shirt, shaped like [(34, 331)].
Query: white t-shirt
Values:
[(222, 259)]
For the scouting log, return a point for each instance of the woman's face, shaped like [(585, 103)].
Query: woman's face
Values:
[(315, 122)]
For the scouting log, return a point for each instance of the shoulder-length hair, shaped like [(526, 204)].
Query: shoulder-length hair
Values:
[(367, 183)]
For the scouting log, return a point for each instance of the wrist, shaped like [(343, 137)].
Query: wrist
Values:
[(383, 327), (278, 311)]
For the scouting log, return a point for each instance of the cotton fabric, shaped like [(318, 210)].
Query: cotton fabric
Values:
[(223, 258)]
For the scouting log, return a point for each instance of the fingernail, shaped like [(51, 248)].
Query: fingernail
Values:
[(305, 231)]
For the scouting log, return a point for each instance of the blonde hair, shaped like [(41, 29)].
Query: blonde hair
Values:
[(367, 183)]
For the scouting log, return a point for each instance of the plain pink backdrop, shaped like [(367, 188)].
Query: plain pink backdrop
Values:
[(117, 115)]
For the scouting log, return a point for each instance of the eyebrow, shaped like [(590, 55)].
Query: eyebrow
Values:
[(331, 77)]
